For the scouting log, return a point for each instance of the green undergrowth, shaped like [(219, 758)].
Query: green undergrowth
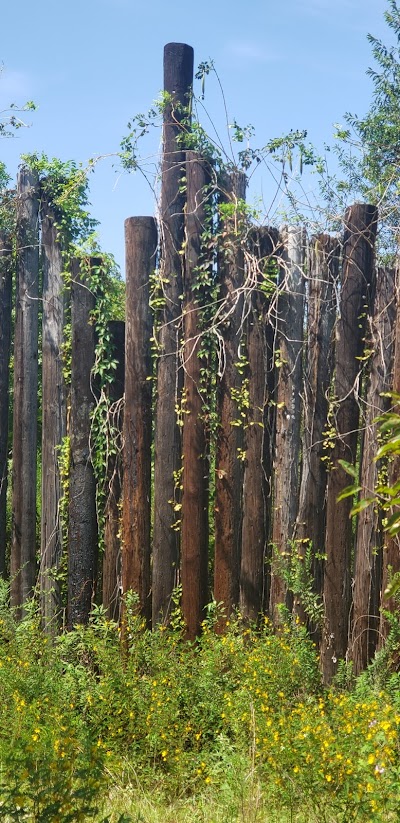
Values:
[(232, 728)]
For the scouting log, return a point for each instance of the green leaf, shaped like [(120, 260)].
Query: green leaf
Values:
[(349, 491), (391, 447), (393, 524), (348, 468), (362, 504), (393, 587), (388, 421)]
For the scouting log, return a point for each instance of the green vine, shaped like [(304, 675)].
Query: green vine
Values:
[(64, 189), (105, 436), (295, 567)]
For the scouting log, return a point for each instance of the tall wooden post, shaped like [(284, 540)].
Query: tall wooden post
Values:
[(318, 369), (257, 473), (112, 514), (53, 418), (288, 361), (195, 460), (229, 466), (6, 269), (82, 526), (178, 79), (391, 548), (368, 551), (355, 302), (23, 549), (141, 246)]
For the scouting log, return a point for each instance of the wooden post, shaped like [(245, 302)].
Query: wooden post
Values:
[(391, 548), (355, 302), (288, 361), (229, 466), (82, 527), (141, 246), (23, 549), (53, 418), (257, 473), (194, 563), (6, 269), (311, 520), (178, 79), (112, 515), (368, 552)]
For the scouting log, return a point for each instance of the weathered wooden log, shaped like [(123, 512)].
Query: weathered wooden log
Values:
[(391, 548), (259, 331), (318, 370), (368, 551), (229, 465), (194, 547), (355, 303), (178, 79), (23, 549), (288, 362), (6, 271), (53, 418), (141, 246), (82, 525), (112, 582)]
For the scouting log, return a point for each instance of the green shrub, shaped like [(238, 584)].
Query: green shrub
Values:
[(234, 728)]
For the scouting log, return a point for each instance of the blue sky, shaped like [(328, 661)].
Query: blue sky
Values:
[(91, 65)]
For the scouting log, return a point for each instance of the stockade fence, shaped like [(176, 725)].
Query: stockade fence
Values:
[(263, 363)]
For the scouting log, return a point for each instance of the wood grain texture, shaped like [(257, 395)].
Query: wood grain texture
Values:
[(355, 304), (23, 549)]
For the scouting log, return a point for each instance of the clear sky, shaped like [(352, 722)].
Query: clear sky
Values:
[(90, 65)]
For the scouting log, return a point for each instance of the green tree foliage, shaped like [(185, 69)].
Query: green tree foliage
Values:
[(10, 122), (10, 119), (369, 148)]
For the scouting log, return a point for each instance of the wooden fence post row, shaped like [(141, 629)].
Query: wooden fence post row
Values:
[(276, 482), (278, 475), (267, 505), (225, 498)]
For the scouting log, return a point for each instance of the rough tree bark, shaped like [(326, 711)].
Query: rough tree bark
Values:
[(368, 551), (229, 466), (53, 418), (288, 360), (141, 246), (6, 271), (355, 302), (82, 525), (23, 549), (178, 79), (194, 538), (257, 439)]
